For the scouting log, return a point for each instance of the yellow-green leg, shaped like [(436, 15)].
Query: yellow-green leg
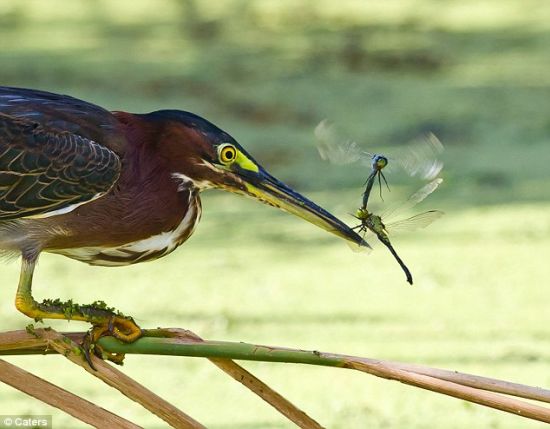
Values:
[(104, 320)]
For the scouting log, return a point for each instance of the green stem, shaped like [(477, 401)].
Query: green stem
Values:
[(219, 349)]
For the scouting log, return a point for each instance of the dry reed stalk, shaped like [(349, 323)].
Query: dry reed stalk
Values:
[(57, 397), (120, 381), (481, 390)]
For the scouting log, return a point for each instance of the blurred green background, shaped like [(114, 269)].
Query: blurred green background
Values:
[(473, 72)]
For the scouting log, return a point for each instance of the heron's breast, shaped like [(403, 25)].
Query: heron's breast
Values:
[(146, 249)]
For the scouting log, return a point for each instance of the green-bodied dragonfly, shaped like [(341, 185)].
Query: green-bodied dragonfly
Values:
[(382, 226), (418, 159)]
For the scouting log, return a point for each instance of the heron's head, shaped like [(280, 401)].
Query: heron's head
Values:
[(208, 157)]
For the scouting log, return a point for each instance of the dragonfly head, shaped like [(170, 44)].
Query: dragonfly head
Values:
[(379, 162), (362, 214)]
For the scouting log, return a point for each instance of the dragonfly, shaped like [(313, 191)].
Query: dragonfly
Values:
[(382, 226), (418, 159)]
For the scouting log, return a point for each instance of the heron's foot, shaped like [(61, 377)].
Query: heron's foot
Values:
[(121, 327), (106, 321)]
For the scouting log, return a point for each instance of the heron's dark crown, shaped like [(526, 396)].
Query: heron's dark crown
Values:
[(188, 119)]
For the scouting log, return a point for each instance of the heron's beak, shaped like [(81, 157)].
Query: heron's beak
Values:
[(266, 188)]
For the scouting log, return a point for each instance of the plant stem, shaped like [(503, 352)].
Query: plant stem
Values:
[(178, 342), (57, 397), (220, 349), (244, 351)]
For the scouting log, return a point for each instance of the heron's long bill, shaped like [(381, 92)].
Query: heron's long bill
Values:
[(266, 188)]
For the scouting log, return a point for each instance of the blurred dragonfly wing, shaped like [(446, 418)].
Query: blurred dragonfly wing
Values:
[(421, 220), (420, 158), (413, 200), (417, 159), (333, 149)]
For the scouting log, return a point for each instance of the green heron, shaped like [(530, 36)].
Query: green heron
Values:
[(116, 188)]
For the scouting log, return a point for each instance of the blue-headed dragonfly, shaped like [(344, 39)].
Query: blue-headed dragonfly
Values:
[(418, 159)]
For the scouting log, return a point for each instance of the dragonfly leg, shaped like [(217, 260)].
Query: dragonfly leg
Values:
[(380, 185), (385, 181)]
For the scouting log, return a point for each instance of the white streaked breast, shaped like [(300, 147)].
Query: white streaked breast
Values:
[(141, 250), (166, 240)]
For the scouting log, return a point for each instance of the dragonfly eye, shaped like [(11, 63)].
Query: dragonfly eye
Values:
[(381, 162)]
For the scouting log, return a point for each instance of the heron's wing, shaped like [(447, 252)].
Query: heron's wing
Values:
[(331, 148), (421, 220), (44, 171), (63, 113), (413, 200)]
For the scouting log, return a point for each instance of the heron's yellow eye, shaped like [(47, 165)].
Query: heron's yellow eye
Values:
[(227, 153)]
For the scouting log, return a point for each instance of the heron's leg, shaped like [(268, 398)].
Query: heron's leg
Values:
[(104, 320)]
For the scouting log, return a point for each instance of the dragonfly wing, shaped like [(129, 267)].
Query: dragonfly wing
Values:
[(423, 192), (413, 223), (331, 148), (413, 200), (420, 158)]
